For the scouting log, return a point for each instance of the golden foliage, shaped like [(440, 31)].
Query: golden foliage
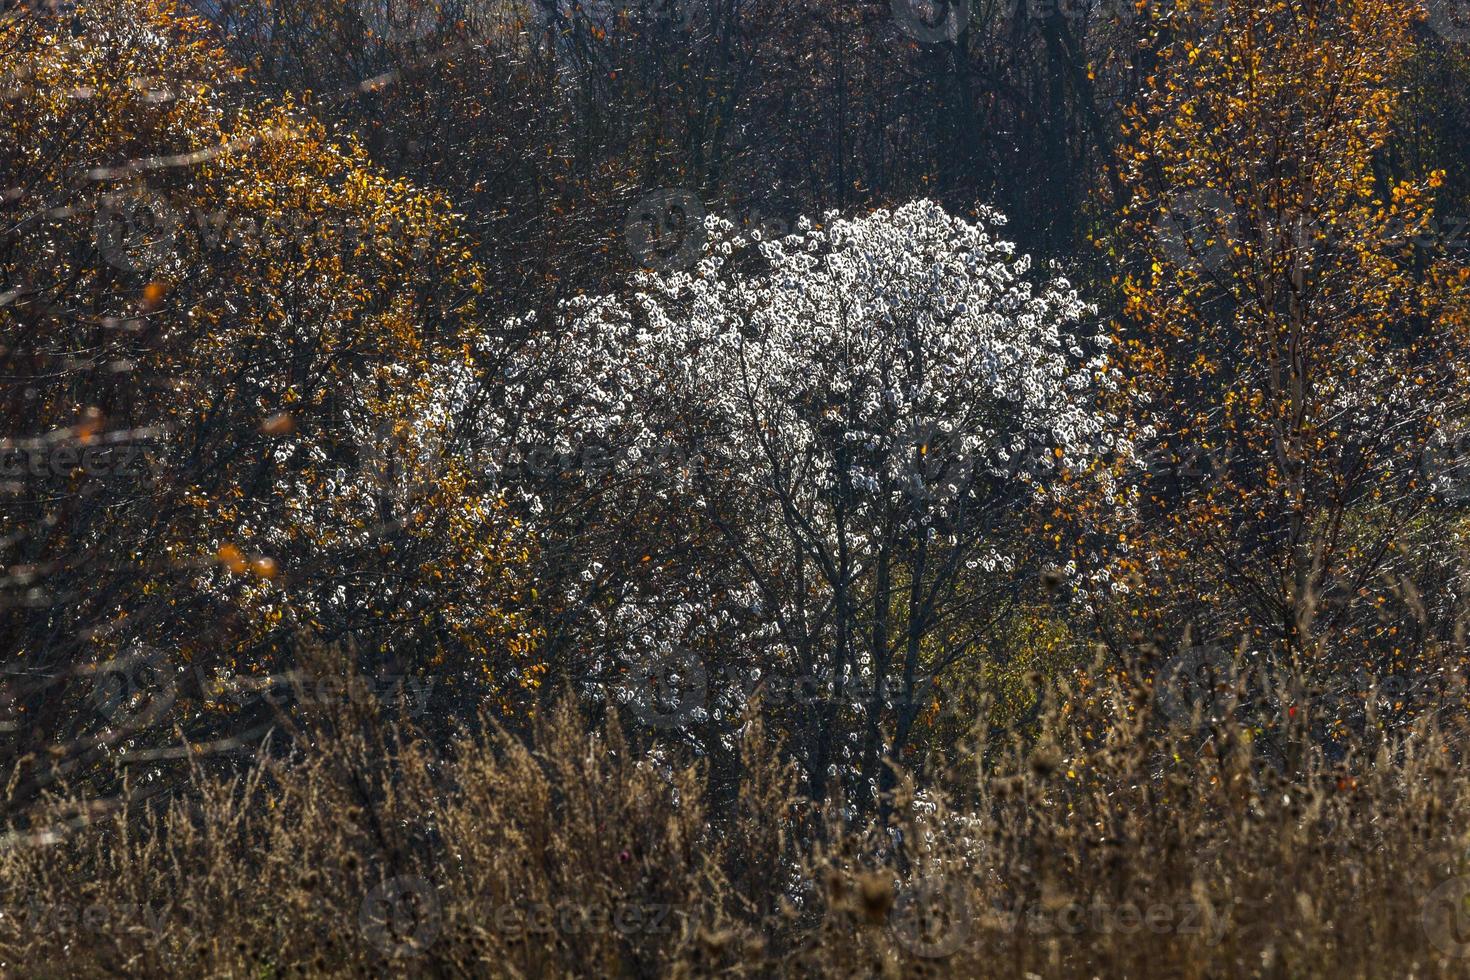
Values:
[(1297, 353)]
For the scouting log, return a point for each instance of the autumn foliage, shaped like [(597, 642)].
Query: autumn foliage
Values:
[(869, 486), (1300, 344)]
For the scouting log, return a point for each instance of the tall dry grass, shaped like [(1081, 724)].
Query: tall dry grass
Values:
[(1106, 841)]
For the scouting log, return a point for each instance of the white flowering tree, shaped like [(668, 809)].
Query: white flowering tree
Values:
[(865, 415)]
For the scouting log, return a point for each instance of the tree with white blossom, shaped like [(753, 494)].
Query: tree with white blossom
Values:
[(869, 415)]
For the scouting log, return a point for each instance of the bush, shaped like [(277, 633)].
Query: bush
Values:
[(1117, 839)]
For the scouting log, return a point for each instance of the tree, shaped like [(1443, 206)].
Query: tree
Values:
[(864, 415), (1298, 351), (223, 339)]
